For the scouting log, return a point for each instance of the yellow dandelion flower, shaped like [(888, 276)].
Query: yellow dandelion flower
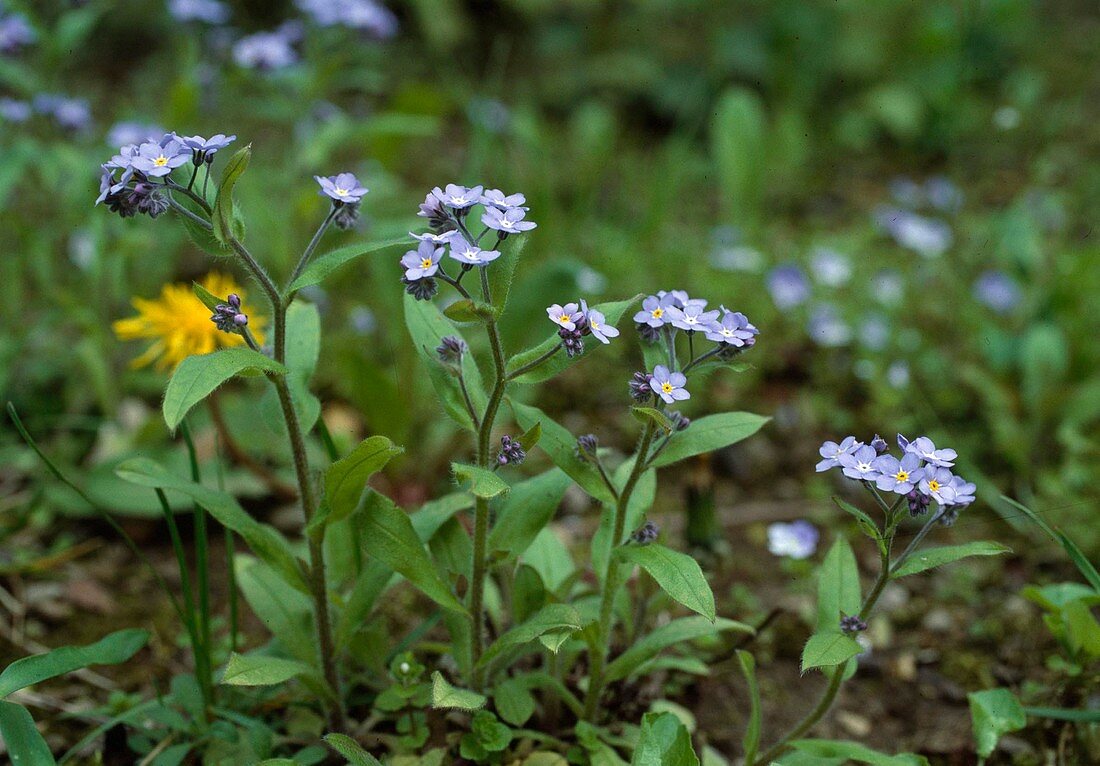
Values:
[(179, 324)]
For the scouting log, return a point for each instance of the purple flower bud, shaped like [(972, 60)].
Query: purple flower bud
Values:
[(852, 624), (511, 452), (918, 502), (346, 216), (451, 349), (587, 445), (679, 421), (640, 390), (645, 534), (421, 289), (879, 444), (572, 341), (228, 316), (648, 332)]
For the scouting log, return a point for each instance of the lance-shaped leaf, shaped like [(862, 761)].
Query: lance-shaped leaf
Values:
[(346, 479), (930, 558), (24, 744), (468, 310), (225, 217), (612, 312), (444, 695), (482, 482), (676, 632), (350, 749), (198, 376), (427, 328), (678, 574), (654, 415), (263, 539), (751, 741), (663, 740), (561, 446), (552, 618), (504, 270), (829, 649), (324, 265), (825, 751), (388, 535), (528, 508), (838, 591), (710, 433), (109, 650), (261, 670)]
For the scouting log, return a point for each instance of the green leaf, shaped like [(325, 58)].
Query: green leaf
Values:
[(612, 313), (346, 479), (751, 741), (24, 744), (930, 558), (866, 523), (674, 633), (446, 696), (1077, 556), (322, 266), (109, 650), (710, 433), (652, 414), (388, 535), (529, 438), (350, 749), (678, 574), (286, 613), (261, 670), (552, 618), (263, 539), (1062, 714), (561, 447), (224, 217), (198, 376), (527, 509), (993, 713), (469, 310), (829, 649), (483, 482), (208, 298), (838, 591), (427, 327), (853, 751), (503, 271), (303, 338), (662, 741), (514, 701)]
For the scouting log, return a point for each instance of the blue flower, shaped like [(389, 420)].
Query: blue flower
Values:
[(669, 385), (14, 110), (964, 491), (132, 133), (830, 268), (798, 539), (207, 147), (937, 485), (458, 197), (344, 187), (365, 15), (831, 452), (788, 286), (925, 449), (509, 221), (733, 329), (159, 158), (15, 32), (898, 476), (471, 255), (998, 291), (265, 51), (422, 262), (566, 317), (692, 317), (496, 198), (859, 464), (597, 324), (439, 239), (654, 311), (207, 11)]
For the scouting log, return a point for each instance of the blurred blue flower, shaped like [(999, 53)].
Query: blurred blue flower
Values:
[(207, 11), (133, 133), (897, 374), (362, 320), (266, 51), (928, 237), (943, 195), (998, 291), (737, 258), (13, 110), (15, 32), (874, 332), (365, 15), (829, 267), (69, 113), (489, 114), (670, 386), (906, 191), (888, 286), (798, 539), (826, 327), (788, 286), (590, 281)]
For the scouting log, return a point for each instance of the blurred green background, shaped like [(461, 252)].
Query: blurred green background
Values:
[(901, 195)]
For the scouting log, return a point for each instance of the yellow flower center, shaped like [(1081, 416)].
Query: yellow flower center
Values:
[(425, 263), (902, 476), (657, 313), (160, 161), (594, 324), (341, 192), (666, 388), (933, 485)]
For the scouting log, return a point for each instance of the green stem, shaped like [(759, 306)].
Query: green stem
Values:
[(533, 363), (916, 541), (481, 505), (837, 680), (202, 562), (230, 556), (599, 651), (310, 248)]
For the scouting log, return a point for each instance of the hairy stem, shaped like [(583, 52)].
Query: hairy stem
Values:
[(534, 363), (598, 653), (310, 248)]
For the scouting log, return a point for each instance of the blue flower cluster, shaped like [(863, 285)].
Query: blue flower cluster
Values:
[(576, 321), (449, 211), (922, 473), (133, 180), (674, 310)]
